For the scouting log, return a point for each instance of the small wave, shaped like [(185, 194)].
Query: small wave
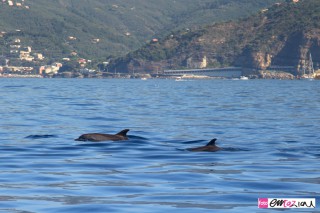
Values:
[(41, 136), (233, 149), (134, 137), (15, 86), (223, 149)]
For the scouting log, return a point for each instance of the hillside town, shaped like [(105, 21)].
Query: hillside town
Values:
[(13, 3), (19, 59), (23, 61)]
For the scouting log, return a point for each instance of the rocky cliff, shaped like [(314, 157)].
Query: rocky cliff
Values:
[(282, 36)]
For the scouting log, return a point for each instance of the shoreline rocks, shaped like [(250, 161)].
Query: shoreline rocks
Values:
[(276, 75)]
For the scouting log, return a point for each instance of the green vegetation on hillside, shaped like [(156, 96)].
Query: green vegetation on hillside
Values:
[(120, 26)]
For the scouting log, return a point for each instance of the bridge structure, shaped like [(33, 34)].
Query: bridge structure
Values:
[(226, 72)]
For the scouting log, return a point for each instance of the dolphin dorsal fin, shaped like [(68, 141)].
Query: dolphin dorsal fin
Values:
[(212, 142), (123, 132)]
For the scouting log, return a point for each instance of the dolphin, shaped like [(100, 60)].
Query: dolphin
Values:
[(96, 137), (210, 147)]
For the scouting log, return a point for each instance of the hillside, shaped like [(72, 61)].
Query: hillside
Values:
[(98, 29), (282, 35)]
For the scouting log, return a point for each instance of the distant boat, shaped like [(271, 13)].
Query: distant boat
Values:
[(306, 77), (178, 79), (181, 79), (144, 79), (244, 78), (308, 70)]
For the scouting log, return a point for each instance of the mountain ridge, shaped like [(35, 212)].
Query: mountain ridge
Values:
[(121, 26), (282, 35)]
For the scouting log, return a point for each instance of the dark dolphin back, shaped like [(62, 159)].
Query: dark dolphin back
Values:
[(123, 132), (212, 142)]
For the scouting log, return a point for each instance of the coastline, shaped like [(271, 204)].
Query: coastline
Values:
[(20, 76), (261, 75)]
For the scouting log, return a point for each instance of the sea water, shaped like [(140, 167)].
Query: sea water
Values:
[(268, 129)]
